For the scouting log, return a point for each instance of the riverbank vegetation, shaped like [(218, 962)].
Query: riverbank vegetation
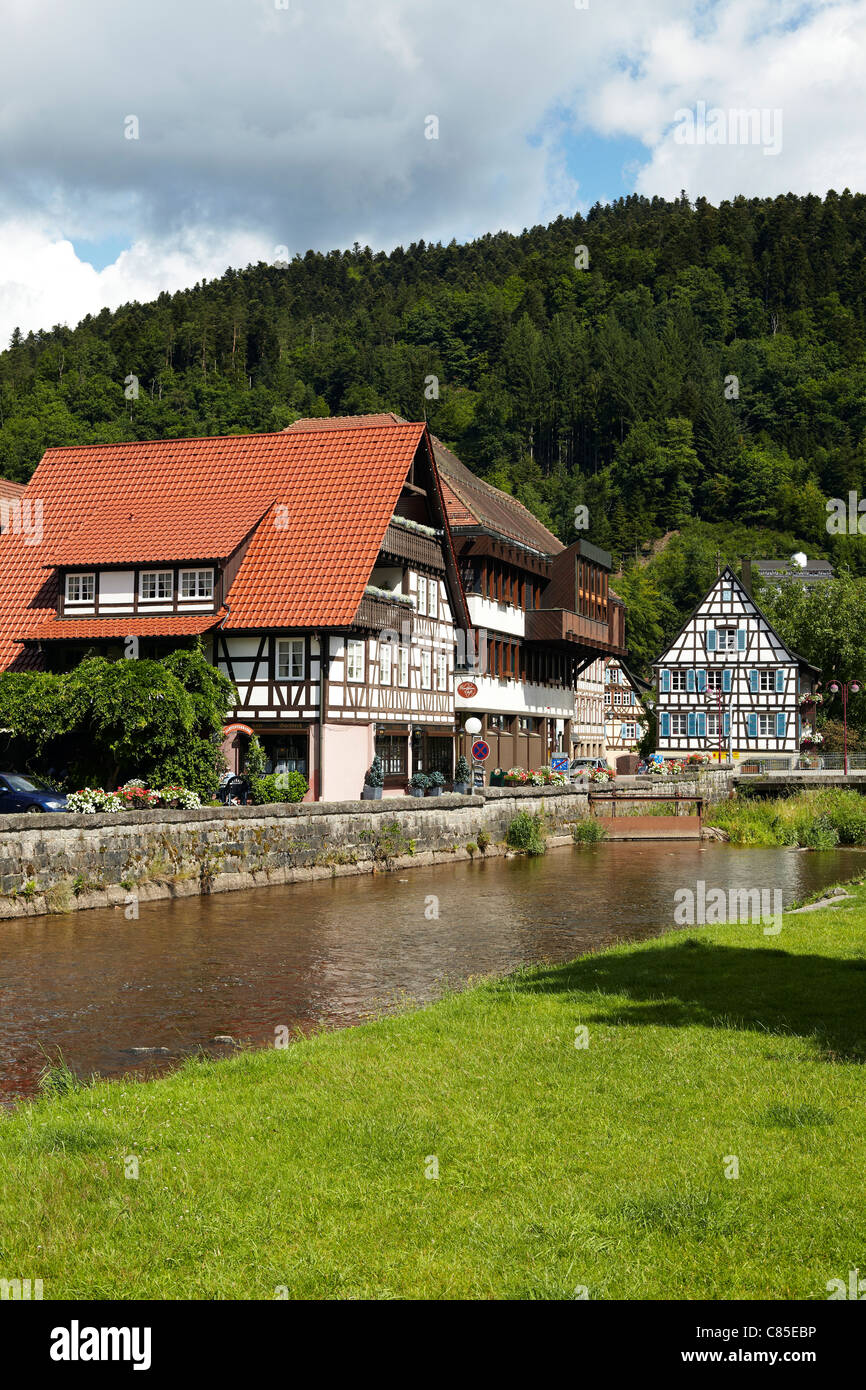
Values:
[(680, 1119), (817, 819)]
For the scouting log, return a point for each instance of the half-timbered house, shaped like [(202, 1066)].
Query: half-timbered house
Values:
[(315, 566), (624, 715), (543, 613), (728, 685)]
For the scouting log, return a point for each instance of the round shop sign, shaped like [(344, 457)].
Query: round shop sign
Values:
[(467, 690), (480, 750), (237, 729)]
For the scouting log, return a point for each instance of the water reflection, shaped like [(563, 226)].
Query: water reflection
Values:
[(243, 964)]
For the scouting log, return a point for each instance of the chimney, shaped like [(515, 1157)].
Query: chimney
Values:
[(746, 573)]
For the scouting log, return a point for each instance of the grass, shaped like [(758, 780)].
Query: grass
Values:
[(812, 819), (561, 1167)]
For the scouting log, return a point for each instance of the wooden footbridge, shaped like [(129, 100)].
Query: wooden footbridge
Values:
[(621, 813)]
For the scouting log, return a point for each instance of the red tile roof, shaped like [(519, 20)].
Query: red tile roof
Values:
[(9, 491), (470, 501), (318, 503), (165, 625)]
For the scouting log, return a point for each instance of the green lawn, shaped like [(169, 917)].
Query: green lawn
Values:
[(559, 1167)]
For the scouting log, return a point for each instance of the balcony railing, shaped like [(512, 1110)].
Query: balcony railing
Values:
[(401, 543), (378, 614), (560, 625)]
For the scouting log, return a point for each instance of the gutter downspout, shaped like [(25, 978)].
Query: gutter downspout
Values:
[(324, 664)]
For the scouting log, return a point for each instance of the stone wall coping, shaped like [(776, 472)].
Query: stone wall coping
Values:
[(65, 820)]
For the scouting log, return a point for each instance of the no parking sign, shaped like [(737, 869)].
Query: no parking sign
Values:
[(480, 750)]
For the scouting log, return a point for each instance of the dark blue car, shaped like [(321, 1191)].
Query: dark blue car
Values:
[(20, 793)]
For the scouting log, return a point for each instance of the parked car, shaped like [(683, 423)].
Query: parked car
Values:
[(582, 767), (25, 793)]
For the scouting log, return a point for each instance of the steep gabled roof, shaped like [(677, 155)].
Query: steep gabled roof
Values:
[(472, 502), (315, 504), (469, 499), (732, 578)]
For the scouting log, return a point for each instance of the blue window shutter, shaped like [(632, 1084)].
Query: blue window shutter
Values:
[(702, 724), (666, 680), (711, 639), (691, 725), (726, 680), (665, 725), (727, 724), (622, 732), (690, 680), (702, 680), (781, 721), (753, 726), (780, 680), (753, 682), (741, 639)]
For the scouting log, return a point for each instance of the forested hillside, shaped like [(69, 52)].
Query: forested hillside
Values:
[(709, 364)]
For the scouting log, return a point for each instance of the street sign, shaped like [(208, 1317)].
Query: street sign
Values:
[(480, 750), (467, 690), (478, 777), (559, 764)]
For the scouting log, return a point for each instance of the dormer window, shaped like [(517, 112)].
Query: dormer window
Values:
[(155, 584), (196, 583), (80, 588)]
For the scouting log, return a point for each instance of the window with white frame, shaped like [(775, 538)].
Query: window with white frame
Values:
[(442, 665), (432, 598), (403, 665), (290, 658), (80, 588), (385, 665), (712, 726), (426, 670), (354, 660), (767, 725), (679, 725), (196, 583), (678, 680), (155, 584), (714, 680), (422, 593), (767, 680), (726, 639)]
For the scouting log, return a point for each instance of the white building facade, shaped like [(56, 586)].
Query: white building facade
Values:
[(728, 685)]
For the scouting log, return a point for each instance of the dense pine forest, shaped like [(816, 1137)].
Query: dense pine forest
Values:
[(670, 365)]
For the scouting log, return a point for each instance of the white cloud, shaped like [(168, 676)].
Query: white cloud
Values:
[(305, 126)]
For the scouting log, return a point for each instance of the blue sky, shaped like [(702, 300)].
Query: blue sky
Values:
[(258, 128)]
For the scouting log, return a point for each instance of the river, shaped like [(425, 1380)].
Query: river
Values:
[(98, 986)]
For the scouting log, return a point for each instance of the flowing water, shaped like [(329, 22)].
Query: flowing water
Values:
[(98, 986)]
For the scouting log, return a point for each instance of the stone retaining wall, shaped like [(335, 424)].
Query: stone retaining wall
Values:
[(61, 863)]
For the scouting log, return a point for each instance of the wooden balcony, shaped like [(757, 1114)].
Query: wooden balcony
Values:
[(560, 627), (413, 548), (377, 615)]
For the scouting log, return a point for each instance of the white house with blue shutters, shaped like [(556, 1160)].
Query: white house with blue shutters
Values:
[(728, 685)]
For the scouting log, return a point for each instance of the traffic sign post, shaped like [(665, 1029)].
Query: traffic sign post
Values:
[(480, 754)]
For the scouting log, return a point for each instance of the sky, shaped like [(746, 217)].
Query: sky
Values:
[(145, 147)]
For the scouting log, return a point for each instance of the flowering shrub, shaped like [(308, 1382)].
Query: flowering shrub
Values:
[(92, 799), (668, 766), (546, 777), (186, 799), (814, 699), (697, 759), (134, 796), (810, 737), (516, 776), (602, 774)]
